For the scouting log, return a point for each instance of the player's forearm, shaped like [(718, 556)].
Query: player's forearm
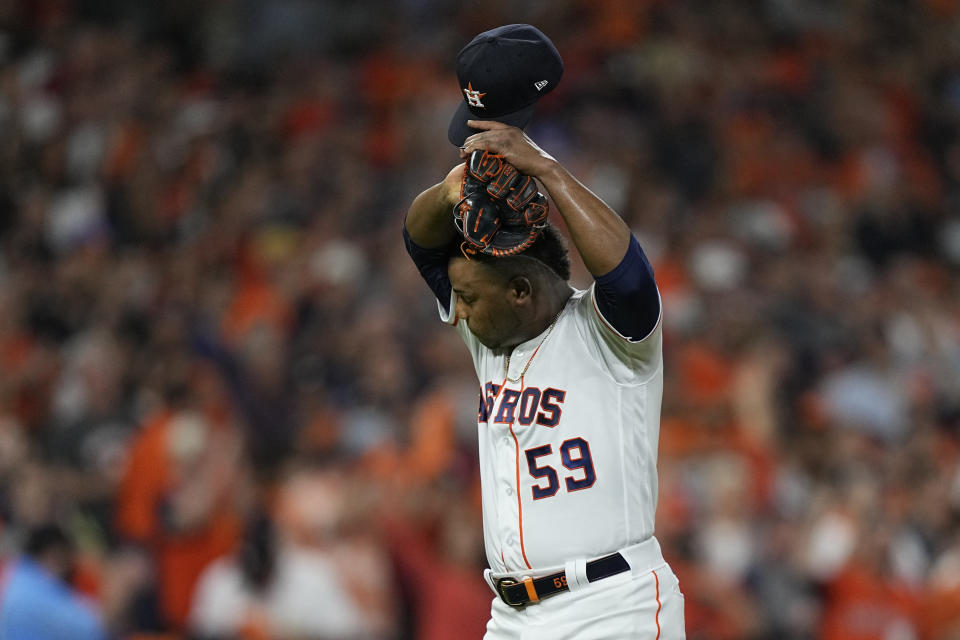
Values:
[(599, 234), (429, 220)]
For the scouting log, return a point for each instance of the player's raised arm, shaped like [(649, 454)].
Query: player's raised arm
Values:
[(429, 221), (428, 231)]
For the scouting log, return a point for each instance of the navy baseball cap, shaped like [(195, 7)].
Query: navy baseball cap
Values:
[(502, 74)]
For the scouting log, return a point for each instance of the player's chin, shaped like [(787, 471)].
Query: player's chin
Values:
[(487, 341)]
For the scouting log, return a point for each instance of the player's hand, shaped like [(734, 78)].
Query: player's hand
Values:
[(510, 142)]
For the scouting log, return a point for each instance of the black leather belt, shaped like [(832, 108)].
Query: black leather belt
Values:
[(519, 593)]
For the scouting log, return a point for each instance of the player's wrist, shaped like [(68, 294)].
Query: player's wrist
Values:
[(547, 169)]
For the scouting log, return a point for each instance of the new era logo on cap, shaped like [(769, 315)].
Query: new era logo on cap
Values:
[(514, 65)]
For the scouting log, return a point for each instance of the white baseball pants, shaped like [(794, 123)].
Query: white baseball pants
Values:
[(644, 603)]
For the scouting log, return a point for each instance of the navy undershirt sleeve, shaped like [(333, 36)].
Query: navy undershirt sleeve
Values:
[(432, 264), (627, 296)]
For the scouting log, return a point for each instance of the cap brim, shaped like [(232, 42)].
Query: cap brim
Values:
[(459, 131)]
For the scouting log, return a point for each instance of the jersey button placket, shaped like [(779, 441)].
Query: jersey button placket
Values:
[(508, 512)]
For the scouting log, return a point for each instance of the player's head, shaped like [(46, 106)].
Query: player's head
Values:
[(502, 299), (549, 249)]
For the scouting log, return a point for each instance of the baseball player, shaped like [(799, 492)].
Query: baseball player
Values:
[(570, 380)]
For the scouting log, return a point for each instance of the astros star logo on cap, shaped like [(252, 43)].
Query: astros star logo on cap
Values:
[(473, 97)]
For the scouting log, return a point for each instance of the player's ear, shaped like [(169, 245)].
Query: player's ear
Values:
[(520, 288)]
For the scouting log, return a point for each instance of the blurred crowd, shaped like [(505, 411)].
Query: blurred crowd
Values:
[(227, 408)]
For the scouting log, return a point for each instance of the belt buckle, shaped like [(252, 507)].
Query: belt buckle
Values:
[(508, 582)]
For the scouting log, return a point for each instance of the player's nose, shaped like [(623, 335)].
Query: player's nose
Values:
[(460, 310)]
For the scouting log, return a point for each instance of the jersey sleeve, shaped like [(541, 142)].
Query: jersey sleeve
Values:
[(432, 265), (620, 317), (627, 296)]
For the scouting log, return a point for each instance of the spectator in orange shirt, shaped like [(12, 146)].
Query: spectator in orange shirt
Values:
[(865, 602), (177, 499)]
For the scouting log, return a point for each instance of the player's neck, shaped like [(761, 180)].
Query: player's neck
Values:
[(545, 312)]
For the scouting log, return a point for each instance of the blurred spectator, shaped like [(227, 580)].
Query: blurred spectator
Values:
[(37, 601), (866, 602), (439, 561), (179, 500), (300, 574)]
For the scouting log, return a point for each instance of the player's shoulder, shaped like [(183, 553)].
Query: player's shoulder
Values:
[(630, 361)]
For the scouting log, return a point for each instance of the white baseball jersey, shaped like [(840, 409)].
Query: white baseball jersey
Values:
[(568, 451)]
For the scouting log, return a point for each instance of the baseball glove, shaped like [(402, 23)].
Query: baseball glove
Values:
[(500, 212)]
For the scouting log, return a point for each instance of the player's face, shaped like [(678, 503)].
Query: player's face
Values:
[(485, 303)]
